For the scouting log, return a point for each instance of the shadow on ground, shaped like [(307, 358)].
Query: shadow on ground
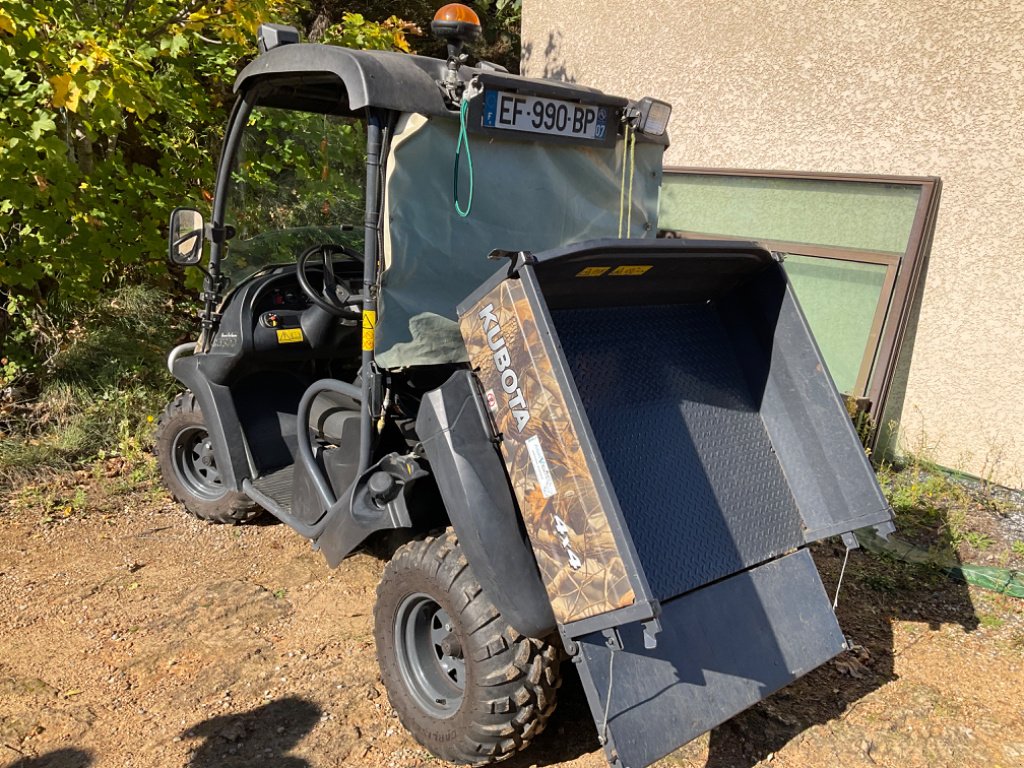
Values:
[(261, 736), (59, 758), (876, 593)]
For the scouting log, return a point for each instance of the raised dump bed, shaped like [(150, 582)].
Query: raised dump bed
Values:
[(674, 441)]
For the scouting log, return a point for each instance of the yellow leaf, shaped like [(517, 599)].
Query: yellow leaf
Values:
[(65, 92), (69, 694), (98, 54), (6, 23)]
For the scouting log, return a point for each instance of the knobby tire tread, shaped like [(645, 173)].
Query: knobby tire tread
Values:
[(512, 690), (233, 507)]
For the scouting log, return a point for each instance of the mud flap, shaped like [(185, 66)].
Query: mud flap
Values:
[(721, 649)]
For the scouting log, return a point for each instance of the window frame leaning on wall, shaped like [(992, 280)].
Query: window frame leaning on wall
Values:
[(903, 271)]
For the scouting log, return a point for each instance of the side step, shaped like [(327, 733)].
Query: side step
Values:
[(277, 486)]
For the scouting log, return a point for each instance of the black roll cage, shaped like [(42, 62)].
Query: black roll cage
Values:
[(379, 123), (377, 86)]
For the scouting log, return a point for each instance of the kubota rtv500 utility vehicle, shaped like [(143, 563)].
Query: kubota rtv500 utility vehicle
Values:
[(601, 444)]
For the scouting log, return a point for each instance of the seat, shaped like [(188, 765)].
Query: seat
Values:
[(335, 417)]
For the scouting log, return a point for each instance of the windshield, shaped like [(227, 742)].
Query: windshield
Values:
[(298, 180)]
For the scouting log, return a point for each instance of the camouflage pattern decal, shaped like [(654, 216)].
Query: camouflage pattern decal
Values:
[(578, 557)]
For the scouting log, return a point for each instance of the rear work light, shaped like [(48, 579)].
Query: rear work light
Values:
[(653, 116)]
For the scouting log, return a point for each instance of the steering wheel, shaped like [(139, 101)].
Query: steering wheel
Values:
[(333, 298)]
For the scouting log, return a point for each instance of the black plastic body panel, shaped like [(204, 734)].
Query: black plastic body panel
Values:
[(399, 82), (356, 515), (221, 417), (454, 429), (722, 648), (381, 79)]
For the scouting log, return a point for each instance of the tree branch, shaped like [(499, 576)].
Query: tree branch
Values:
[(177, 18)]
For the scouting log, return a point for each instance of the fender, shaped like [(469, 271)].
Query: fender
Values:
[(455, 432), (221, 418)]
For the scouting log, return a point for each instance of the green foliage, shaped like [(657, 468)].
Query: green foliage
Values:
[(111, 114), (500, 19), (102, 392), (502, 41), (355, 31), (952, 519), (991, 621), (863, 422), (929, 503), (978, 540)]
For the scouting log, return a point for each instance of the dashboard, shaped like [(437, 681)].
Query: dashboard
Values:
[(271, 316)]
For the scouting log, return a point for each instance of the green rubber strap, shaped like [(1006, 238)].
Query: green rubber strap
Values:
[(463, 141)]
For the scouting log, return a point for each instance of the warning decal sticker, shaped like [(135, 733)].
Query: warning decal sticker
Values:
[(632, 270), (540, 466)]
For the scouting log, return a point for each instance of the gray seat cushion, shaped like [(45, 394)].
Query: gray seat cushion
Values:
[(334, 417)]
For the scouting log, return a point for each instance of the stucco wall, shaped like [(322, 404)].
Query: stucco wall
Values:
[(915, 88)]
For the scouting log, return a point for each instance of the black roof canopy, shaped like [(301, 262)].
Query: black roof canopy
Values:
[(306, 75)]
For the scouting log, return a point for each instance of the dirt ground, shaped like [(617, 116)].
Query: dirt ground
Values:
[(133, 635)]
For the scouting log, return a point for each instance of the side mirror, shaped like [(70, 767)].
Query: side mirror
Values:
[(185, 242)]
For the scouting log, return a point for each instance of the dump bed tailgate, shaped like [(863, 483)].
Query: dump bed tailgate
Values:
[(674, 442)]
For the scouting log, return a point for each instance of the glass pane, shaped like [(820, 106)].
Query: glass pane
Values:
[(844, 214), (839, 299), (298, 180)]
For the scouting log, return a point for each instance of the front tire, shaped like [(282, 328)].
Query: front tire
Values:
[(464, 683), (189, 469)]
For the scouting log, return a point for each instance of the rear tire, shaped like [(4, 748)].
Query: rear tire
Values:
[(189, 469), (465, 684)]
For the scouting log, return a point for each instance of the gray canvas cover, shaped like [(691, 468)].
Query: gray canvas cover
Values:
[(528, 196)]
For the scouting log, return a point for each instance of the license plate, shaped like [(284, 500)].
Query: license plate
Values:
[(534, 114)]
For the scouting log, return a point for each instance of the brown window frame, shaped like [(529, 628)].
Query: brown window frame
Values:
[(902, 278)]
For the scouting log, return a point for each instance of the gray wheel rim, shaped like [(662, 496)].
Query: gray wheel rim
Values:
[(195, 465), (429, 655)]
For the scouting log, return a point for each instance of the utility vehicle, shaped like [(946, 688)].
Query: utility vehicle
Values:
[(435, 302)]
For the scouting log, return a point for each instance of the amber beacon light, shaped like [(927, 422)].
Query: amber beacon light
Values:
[(456, 23)]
